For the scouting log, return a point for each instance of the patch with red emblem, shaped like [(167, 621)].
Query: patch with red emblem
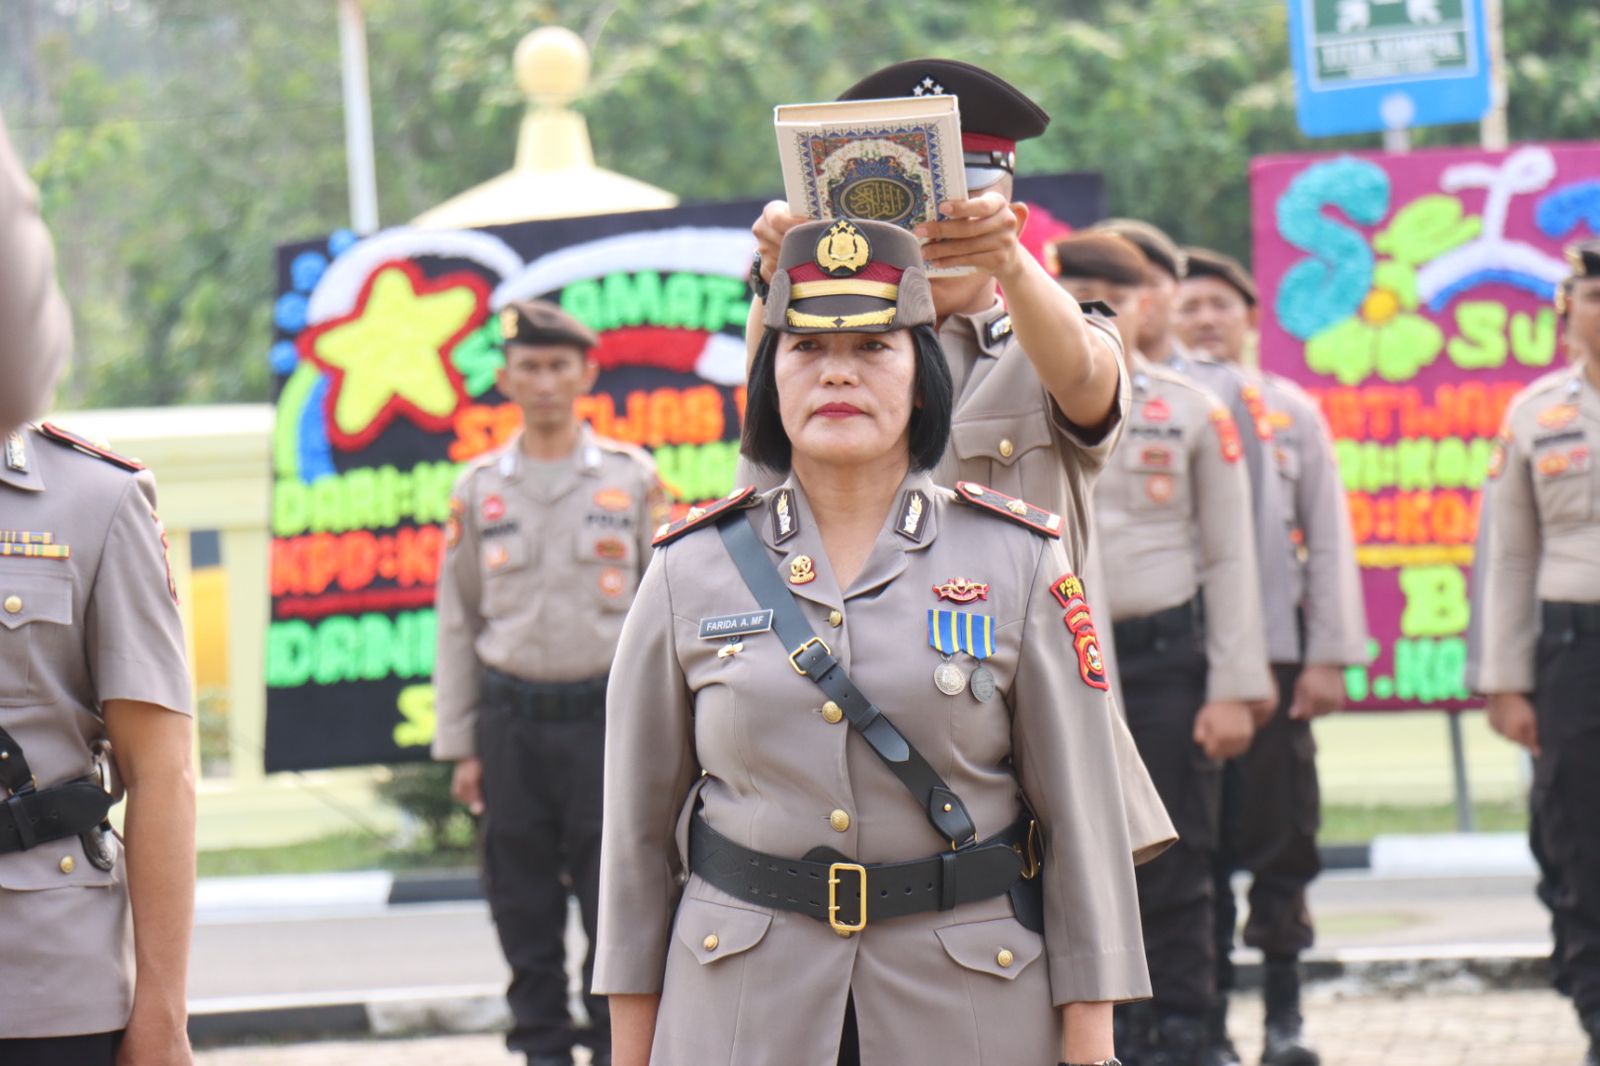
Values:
[(1155, 410), (1067, 588), (1554, 464), (962, 590), (613, 499), (611, 548), (611, 582), (1159, 487), (1258, 411), (494, 508), (1227, 434), (1085, 641), (1558, 416), (1161, 457)]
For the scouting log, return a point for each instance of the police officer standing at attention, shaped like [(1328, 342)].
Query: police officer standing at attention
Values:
[(1272, 807), (544, 548), (94, 703), (1540, 662), (35, 325), (1185, 608)]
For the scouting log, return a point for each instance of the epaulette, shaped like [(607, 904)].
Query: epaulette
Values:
[(68, 439), (1019, 511), (702, 515), (1097, 308)]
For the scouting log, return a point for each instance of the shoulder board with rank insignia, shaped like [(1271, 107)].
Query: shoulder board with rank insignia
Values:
[(1097, 308), (702, 515), (67, 438), (999, 329), (1019, 511)]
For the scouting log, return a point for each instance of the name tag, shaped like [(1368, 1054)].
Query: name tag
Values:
[(735, 625)]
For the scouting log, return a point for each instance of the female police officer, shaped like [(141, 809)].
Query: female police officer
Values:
[(798, 871)]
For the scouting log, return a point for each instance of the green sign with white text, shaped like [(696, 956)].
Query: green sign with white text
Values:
[(1366, 41)]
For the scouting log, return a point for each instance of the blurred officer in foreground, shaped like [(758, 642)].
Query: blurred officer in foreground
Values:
[(94, 700), (1173, 510), (932, 868), (544, 548), (1540, 661), (1272, 804), (35, 326)]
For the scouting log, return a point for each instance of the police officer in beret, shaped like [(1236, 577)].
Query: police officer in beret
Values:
[(1182, 596), (863, 797), (94, 704), (35, 325), (1272, 805), (546, 541), (1540, 660)]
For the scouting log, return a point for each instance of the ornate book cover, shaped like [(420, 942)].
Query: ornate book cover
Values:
[(889, 160)]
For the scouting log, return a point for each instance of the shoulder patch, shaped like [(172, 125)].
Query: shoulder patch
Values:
[(67, 438), (1227, 434), (699, 516), (1019, 511), (1257, 406)]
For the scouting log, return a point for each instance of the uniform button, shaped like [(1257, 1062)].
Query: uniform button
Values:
[(1005, 958), (1006, 448), (710, 942), (831, 713), (836, 618), (67, 865), (839, 820), (13, 605)]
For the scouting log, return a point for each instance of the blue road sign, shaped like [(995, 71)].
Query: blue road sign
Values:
[(1366, 65)]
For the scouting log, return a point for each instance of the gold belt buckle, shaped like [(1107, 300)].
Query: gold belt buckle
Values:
[(845, 928), (794, 656)]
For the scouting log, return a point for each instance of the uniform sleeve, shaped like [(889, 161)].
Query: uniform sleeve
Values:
[(653, 509), (35, 325), (1275, 554), (1512, 543), (650, 768), (458, 606), (1070, 768), (1236, 647), (1335, 617), (1095, 447), (133, 633)]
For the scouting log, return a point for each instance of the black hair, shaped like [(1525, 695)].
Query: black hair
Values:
[(765, 442)]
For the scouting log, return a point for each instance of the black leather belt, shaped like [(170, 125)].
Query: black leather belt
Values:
[(1574, 618), (827, 886), (550, 701), (1135, 635)]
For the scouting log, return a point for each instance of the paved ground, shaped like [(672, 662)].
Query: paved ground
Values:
[(1464, 1029)]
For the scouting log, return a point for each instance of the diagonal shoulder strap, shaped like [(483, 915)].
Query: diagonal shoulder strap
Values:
[(813, 658)]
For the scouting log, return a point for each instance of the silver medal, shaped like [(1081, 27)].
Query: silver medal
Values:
[(948, 678), (983, 684)]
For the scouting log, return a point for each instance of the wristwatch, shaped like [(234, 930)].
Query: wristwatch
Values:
[(759, 288)]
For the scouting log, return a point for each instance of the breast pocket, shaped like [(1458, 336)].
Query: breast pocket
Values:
[(504, 563), (1564, 484), (1157, 479), (992, 450), (610, 559), (31, 597)]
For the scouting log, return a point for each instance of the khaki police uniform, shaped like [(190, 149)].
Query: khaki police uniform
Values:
[(724, 731), (35, 324), (1182, 594), (1541, 636), (541, 565), (87, 614)]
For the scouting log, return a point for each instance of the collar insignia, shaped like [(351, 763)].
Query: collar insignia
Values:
[(998, 330), (913, 516), (17, 452), (785, 519)]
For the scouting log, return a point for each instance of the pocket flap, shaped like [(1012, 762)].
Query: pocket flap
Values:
[(1003, 440), (46, 867), (38, 594), (1001, 947), (715, 931)]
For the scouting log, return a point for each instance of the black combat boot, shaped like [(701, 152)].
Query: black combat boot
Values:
[(1130, 1032), (1178, 1040), (1219, 1046), (1285, 1043)]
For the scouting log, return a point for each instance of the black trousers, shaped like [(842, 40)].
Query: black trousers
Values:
[(542, 790), (1565, 805), (1271, 811), (98, 1049), (1163, 688)]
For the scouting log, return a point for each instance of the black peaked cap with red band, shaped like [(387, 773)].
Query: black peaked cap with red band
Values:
[(995, 114)]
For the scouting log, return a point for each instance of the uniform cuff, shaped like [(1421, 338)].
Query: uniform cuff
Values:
[(452, 745), (620, 970), (1118, 977)]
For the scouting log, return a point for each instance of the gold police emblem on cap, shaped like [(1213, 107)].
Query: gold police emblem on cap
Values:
[(843, 250), (508, 323)]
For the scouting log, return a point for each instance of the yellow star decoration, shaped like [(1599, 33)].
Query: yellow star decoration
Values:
[(392, 351)]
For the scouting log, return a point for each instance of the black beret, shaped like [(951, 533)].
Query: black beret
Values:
[(990, 105), (542, 322), (1205, 263), (1101, 256), (1161, 250)]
